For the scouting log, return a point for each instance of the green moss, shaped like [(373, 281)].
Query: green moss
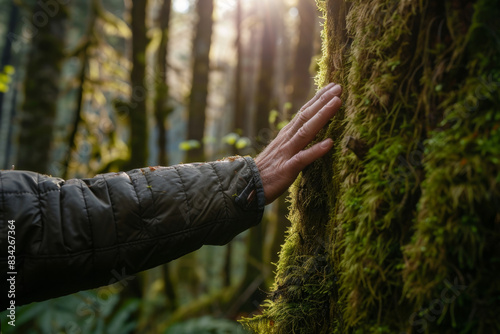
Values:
[(405, 238)]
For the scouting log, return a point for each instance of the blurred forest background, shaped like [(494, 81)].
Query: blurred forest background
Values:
[(89, 87)]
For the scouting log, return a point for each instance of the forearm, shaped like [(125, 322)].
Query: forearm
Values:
[(74, 235)]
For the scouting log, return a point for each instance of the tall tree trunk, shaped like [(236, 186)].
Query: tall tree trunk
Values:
[(239, 113), (251, 294), (137, 104), (265, 82), (43, 72), (301, 77), (398, 230), (239, 101), (201, 68), (161, 99), (162, 110)]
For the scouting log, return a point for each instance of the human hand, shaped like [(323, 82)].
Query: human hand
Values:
[(282, 160)]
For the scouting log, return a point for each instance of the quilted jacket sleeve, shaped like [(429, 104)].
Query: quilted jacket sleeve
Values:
[(77, 234)]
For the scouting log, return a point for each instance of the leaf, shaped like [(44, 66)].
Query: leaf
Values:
[(4, 78), (9, 69), (189, 145), (230, 138), (282, 124), (273, 115)]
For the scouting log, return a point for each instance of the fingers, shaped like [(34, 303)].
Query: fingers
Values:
[(317, 96), (304, 158), (310, 129), (310, 102), (324, 97)]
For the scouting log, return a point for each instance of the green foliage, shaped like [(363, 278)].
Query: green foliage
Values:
[(273, 116), (206, 325), (95, 311), (189, 145), (406, 236), (231, 139), (6, 78)]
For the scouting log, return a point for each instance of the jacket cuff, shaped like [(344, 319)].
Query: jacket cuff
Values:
[(252, 197)]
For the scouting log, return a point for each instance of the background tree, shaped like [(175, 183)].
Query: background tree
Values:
[(264, 95), (397, 231), (201, 66), (161, 107), (41, 85), (250, 293), (239, 98), (137, 104), (304, 52)]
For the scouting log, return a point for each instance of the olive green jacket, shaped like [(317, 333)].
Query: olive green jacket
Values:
[(78, 234)]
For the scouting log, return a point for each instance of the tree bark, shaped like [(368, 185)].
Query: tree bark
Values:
[(397, 230), (239, 102), (201, 68), (137, 104), (41, 86), (161, 99)]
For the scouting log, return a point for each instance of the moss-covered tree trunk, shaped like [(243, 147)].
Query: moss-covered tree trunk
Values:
[(398, 230), (41, 86), (201, 68)]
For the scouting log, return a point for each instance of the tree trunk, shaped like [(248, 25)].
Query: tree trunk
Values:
[(137, 104), (251, 295), (265, 88), (398, 230), (239, 101), (43, 72), (201, 68), (161, 99), (301, 78)]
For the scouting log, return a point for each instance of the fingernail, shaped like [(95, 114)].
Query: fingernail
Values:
[(337, 90), (333, 101), (327, 143)]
